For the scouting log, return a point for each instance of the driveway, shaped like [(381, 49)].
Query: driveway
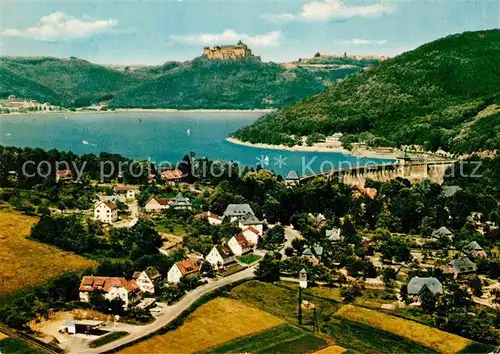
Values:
[(170, 313), (290, 235)]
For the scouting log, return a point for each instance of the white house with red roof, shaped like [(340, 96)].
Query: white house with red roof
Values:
[(252, 235), (239, 245), (64, 175), (112, 288), (250, 220), (182, 269), (106, 211), (129, 192), (220, 256), (213, 219), (157, 205)]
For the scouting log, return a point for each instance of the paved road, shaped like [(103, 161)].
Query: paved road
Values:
[(290, 235), (170, 313)]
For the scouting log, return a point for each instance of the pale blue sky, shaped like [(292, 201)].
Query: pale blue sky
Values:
[(152, 32)]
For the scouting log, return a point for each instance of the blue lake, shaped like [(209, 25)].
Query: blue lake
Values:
[(161, 136)]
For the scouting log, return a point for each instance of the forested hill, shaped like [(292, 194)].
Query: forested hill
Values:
[(443, 94), (230, 84), (199, 83)]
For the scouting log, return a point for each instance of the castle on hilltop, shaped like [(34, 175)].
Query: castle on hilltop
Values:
[(225, 52)]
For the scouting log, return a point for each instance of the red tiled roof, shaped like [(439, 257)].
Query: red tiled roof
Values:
[(162, 201), (187, 267), (65, 173), (172, 174), (242, 241), (122, 188), (91, 283), (207, 214)]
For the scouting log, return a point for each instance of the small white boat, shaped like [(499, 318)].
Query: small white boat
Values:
[(85, 142), (7, 134), (266, 160), (188, 132)]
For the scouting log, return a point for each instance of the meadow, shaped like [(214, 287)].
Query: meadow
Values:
[(440, 341), (216, 322), (11, 345), (282, 339), (27, 263)]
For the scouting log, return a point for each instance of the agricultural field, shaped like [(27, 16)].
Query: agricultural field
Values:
[(11, 345), (334, 349), (440, 341), (217, 322), (27, 263), (283, 339)]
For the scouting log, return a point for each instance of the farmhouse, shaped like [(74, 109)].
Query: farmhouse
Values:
[(251, 220), (181, 203), (172, 176), (129, 192), (461, 266), (240, 245), (186, 268), (157, 205), (474, 250), (213, 219), (84, 326), (106, 212), (146, 279), (442, 232), (237, 211), (418, 285), (64, 175), (220, 256), (112, 287)]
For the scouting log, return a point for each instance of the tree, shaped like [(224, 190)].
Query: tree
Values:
[(476, 285), (388, 275), (427, 301), (268, 269), (403, 292)]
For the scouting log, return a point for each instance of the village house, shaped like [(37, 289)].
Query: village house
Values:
[(313, 255), (442, 232), (334, 140), (220, 256), (292, 179), (239, 245), (129, 192), (474, 250), (333, 235), (64, 175), (106, 211), (146, 279), (359, 191), (181, 203), (112, 288), (320, 222), (157, 205), (417, 286), (251, 220), (252, 235), (172, 176), (461, 266), (186, 268), (213, 219), (237, 211)]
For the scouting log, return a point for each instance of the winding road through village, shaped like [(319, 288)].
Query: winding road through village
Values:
[(169, 313)]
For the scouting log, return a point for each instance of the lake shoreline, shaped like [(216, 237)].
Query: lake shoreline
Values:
[(143, 110), (318, 147)]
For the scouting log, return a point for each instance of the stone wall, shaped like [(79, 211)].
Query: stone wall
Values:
[(237, 51)]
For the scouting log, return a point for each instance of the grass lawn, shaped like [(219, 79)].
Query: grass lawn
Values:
[(15, 346), (249, 258), (430, 337), (108, 338), (216, 322), (284, 339), (27, 263)]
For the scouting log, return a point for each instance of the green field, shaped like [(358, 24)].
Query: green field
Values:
[(14, 346), (282, 339)]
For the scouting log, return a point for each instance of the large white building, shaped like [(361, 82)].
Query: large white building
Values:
[(106, 211), (112, 287)]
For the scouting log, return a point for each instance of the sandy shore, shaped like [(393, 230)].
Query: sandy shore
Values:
[(319, 147)]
